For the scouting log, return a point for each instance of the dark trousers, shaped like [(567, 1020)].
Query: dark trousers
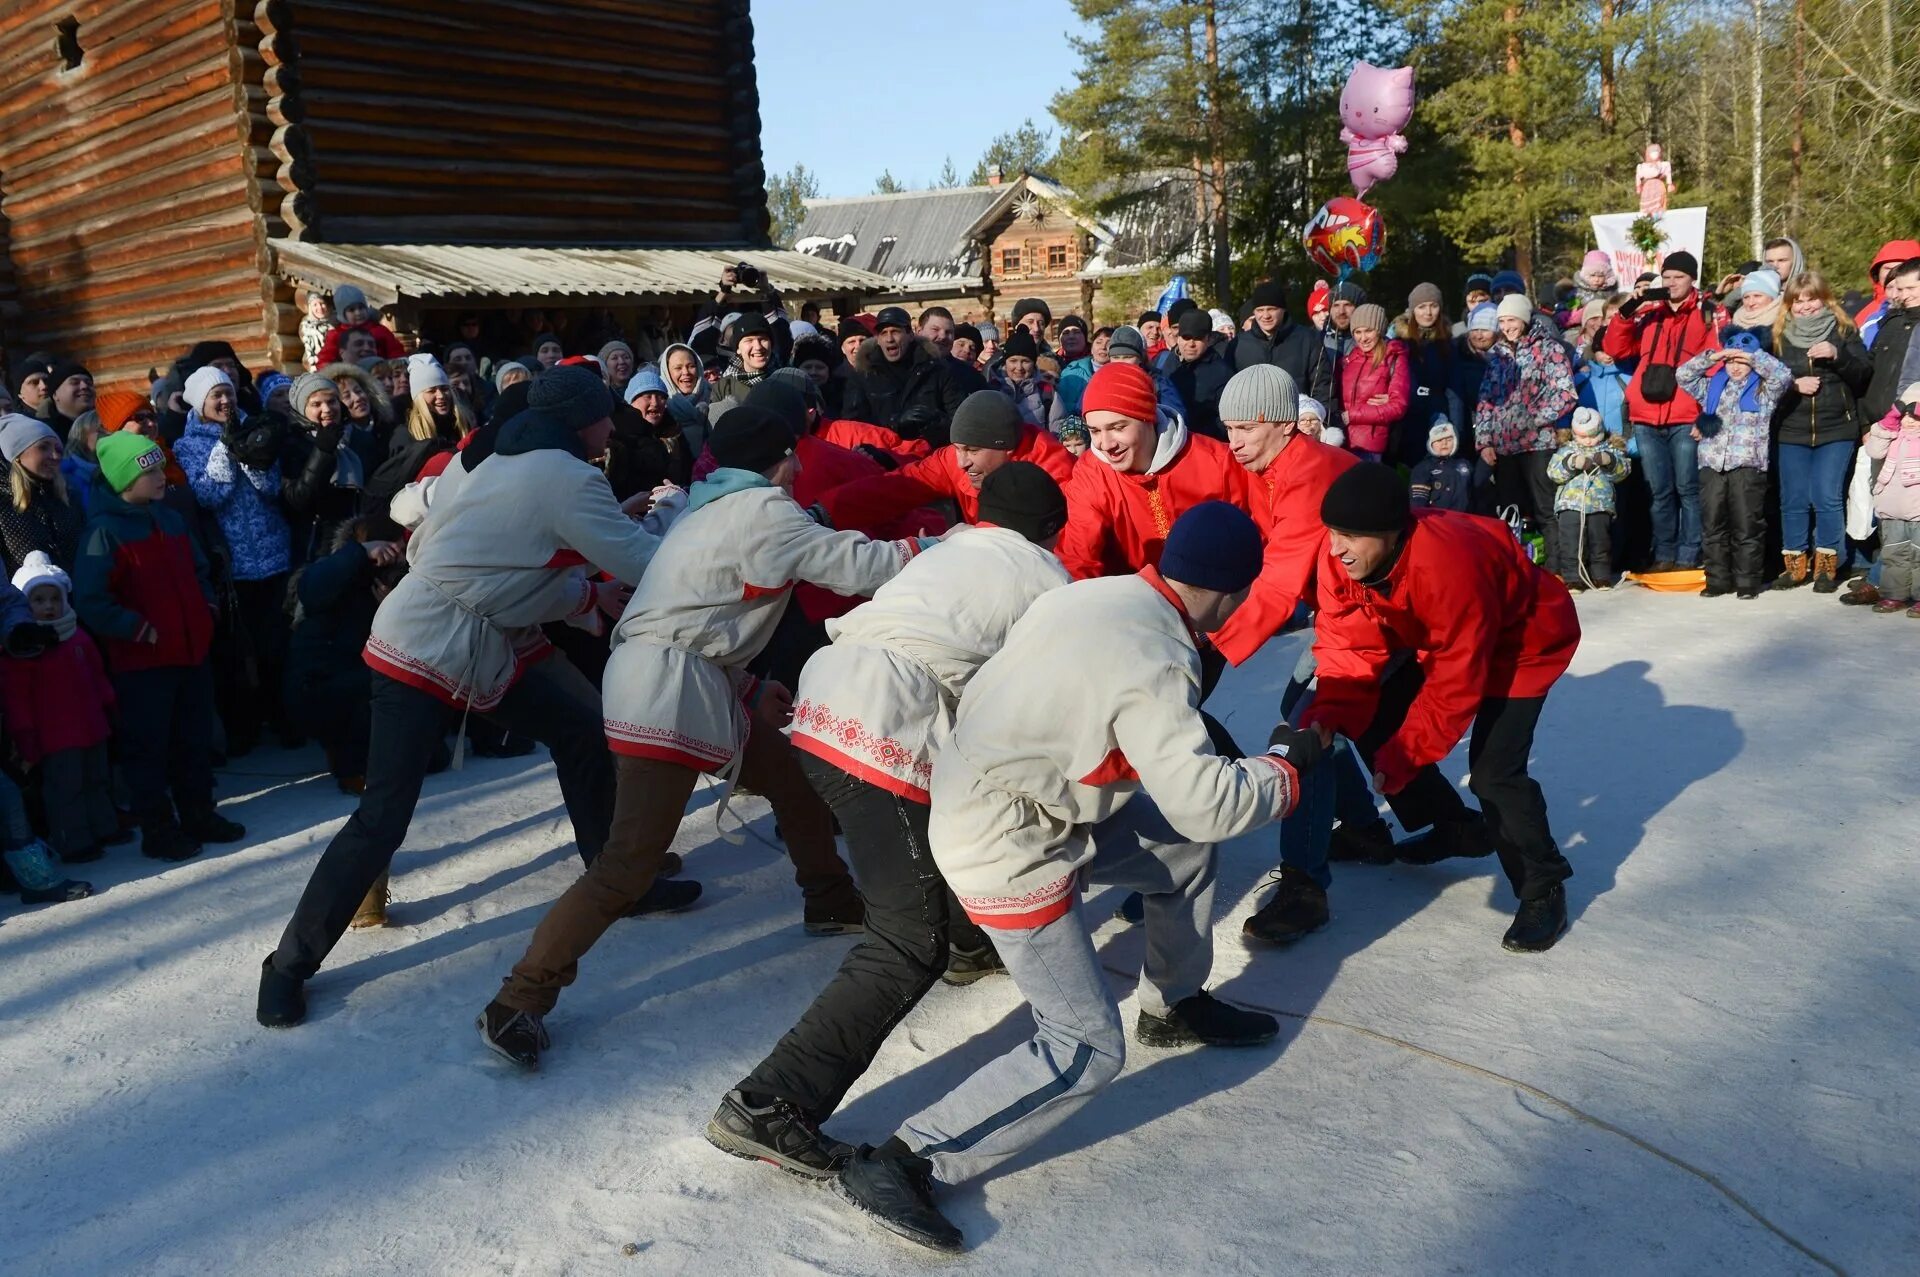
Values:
[(1586, 548), (337, 711), (251, 688), (1429, 797), (1733, 528), (166, 740), (76, 789), (551, 703), (1521, 480), (912, 919)]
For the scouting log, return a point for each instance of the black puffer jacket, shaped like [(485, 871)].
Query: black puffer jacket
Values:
[(915, 397), (1890, 345), (1834, 413), (639, 460), (1294, 347), (48, 523)]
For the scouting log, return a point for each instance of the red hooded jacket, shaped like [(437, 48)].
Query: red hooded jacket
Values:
[(936, 477), (1361, 378), (1287, 496), (1482, 620), (1659, 332), (826, 468), (58, 700), (1117, 523), (854, 434), (383, 341)]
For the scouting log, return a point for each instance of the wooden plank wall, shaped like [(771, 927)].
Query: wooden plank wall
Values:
[(124, 184), (518, 121)]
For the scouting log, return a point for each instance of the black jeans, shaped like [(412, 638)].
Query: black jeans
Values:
[(1521, 480), (1733, 527), (166, 740), (912, 919), (552, 703), (1586, 543)]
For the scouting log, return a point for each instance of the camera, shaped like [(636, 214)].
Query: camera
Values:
[(746, 276)]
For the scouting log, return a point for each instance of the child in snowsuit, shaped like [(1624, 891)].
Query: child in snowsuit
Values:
[(1737, 388), (141, 584), (1586, 470), (1446, 480), (29, 862), (57, 708), (315, 325), (1895, 443)]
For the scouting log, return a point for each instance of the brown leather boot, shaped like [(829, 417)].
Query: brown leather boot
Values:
[(373, 909), (1826, 571), (1796, 573)]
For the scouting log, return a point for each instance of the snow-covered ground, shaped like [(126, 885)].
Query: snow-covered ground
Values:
[(1734, 1012)]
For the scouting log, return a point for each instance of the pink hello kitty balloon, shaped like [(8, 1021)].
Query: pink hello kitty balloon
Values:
[(1374, 107)]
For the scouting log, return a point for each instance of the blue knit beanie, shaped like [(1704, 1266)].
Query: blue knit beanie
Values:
[(1213, 546)]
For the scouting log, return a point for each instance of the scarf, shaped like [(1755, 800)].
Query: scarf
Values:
[(1717, 386), (1756, 320), (1806, 331)]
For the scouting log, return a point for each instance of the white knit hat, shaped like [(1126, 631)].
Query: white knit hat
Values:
[(1442, 428), (1308, 406), (1514, 306), (1587, 423), (424, 373), (38, 569), (201, 384)]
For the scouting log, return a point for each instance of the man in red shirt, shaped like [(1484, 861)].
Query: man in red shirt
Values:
[(1480, 635), (987, 433), (1142, 470)]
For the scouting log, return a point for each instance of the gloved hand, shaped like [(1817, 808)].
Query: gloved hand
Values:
[(31, 639), (886, 460), (1301, 746)]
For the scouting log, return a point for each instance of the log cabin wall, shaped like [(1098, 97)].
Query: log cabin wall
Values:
[(1029, 257), (514, 121), (124, 184)]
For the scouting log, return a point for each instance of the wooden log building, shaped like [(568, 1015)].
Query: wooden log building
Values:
[(171, 169)]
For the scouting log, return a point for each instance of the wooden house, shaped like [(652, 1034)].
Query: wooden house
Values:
[(171, 169)]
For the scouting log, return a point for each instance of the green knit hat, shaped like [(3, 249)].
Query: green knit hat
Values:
[(125, 455)]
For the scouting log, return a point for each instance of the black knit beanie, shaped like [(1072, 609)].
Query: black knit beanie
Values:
[(1369, 499), (1022, 497), (749, 437), (986, 419), (572, 395)]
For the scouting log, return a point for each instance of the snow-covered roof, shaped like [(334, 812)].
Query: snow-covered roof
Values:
[(915, 238)]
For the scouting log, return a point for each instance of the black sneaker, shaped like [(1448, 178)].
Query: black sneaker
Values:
[(1746, 592), (211, 826), (838, 911), (1205, 1019), (513, 1034), (283, 999), (1539, 924), (776, 1133), (1716, 591), (897, 1194), (167, 842), (665, 896), (1298, 908), (1133, 909), (1368, 844), (964, 966), (1445, 840)]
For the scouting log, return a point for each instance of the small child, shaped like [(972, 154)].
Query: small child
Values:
[(141, 584), (57, 715), (1313, 423), (1446, 480), (1895, 443), (1586, 468), (29, 862), (1737, 388), (1073, 434), (314, 327)]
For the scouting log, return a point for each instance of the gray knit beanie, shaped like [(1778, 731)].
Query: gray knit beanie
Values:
[(1369, 316), (347, 296), (986, 419), (1264, 392), (1425, 293), (1127, 337), (1347, 291), (304, 387)]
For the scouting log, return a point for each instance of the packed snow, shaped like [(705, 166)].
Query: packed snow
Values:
[(1712, 1073)]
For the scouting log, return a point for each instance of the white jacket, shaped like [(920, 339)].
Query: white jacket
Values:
[(676, 684), (1094, 697), (879, 700), (502, 552)]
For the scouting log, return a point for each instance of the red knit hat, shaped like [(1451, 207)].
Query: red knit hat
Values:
[(1123, 388), (1321, 298)]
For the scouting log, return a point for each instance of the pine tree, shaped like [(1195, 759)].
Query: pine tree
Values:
[(1025, 149), (787, 195), (887, 184), (949, 176)]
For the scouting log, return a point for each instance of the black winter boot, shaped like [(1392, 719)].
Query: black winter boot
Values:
[(1205, 1019), (1447, 839), (1368, 844), (896, 1191), (164, 840), (776, 1132), (283, 998), (1539, 923), (206, 824), (513, 1034), (665, 896), (1298, 908)]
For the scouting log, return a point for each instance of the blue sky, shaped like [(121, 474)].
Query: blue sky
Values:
[(840, 82)]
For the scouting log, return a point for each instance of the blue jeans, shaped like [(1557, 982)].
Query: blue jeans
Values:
[(1816, 478), (1337, 790), (1669, 458)]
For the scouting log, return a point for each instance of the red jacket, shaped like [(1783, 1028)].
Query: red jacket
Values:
[(139, 568), (1288, 495), (1482, 620), (1360, 379), (1117, 523), (58, 700), (825, 467), (383, 340), (937, 477), (852, 434), (1659, 332)]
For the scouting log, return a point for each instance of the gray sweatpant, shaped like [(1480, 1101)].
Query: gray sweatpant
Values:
[(1078, 1042)]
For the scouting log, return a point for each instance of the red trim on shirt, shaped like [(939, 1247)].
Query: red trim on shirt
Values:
[(749, 591), (1025, 921), (861, 771), (1114, 769)]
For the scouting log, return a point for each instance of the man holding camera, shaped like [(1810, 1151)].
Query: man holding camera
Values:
[(902, 382), (738, 283), (1663, 326)]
